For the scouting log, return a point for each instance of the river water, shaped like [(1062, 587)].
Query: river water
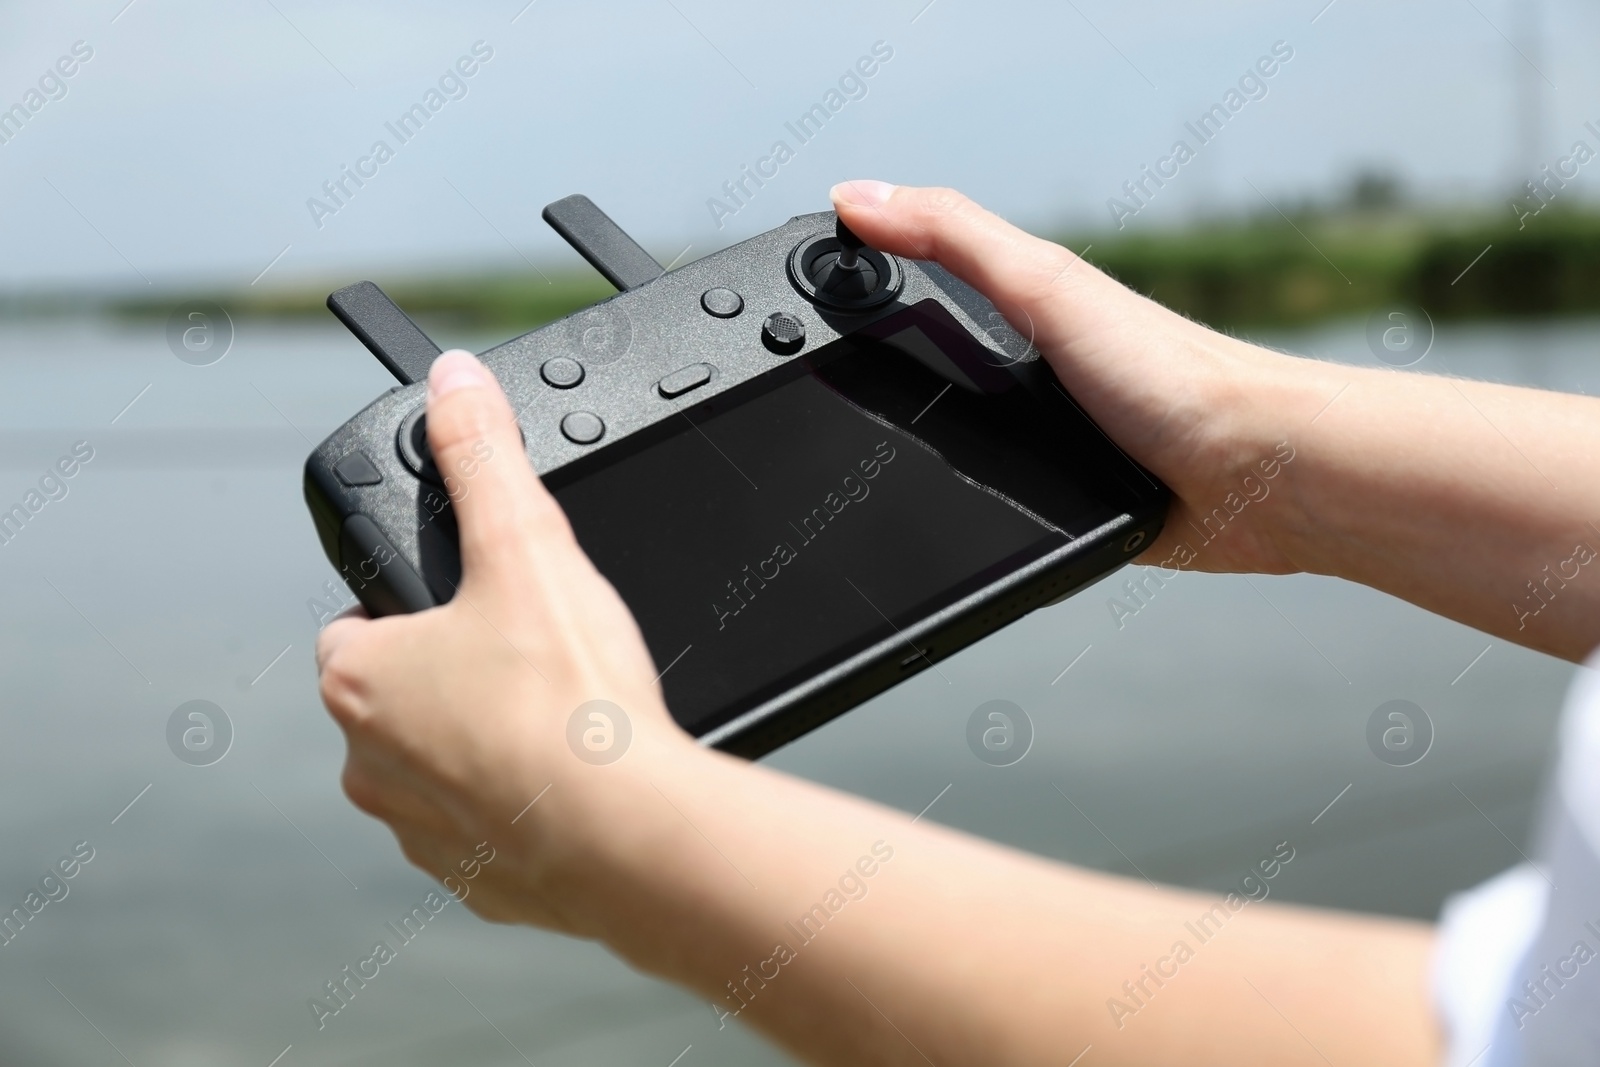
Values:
[(1222, 718)]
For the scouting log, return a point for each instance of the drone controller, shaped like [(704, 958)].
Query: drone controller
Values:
[(811, 469)]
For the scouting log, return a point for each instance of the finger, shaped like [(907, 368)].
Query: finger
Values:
[(499, 501), (1035, 283), (337, 632)]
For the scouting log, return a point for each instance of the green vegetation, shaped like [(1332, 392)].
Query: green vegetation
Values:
[(507, 300), (1266, 271), (1271, 272)]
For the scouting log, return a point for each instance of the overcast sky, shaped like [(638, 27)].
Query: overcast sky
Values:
[(186, 148)]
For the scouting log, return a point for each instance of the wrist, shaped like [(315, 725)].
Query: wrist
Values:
[(1264, 412), (1295, 412), (603, 829)]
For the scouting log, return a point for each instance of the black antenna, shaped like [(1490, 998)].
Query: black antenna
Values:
[(388, 332), (606, 246)]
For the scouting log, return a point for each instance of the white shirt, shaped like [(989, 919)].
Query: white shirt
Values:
[(1516, 975)]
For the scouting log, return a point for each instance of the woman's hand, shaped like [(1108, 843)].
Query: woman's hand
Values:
[(457, 717), (1200, 410), (1477, 501)]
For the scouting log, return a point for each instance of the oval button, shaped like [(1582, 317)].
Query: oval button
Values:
[(681, 381)]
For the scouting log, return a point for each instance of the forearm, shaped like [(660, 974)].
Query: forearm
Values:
[(1477, 501), (961, 951)]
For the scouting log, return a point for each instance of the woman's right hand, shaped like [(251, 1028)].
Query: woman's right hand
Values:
[(1200, 410)]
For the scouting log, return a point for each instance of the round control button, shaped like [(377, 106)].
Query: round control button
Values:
[(583, 427), (783, 333), (561, 372), (412, 440), (723, 303)]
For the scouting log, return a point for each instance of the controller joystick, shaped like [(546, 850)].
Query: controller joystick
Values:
[(845, 276), (838, 271), (850, 247)]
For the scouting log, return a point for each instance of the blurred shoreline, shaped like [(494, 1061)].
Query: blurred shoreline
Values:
[(1305, 266)]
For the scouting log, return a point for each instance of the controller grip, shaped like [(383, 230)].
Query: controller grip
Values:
[(378, 574)]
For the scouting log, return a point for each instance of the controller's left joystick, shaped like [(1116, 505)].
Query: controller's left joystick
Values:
[(412, 439)]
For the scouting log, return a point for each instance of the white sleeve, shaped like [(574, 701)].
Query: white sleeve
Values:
[(1484, 934), (1516, 971)]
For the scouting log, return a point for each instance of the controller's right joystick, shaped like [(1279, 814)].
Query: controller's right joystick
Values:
[(841, 272), (843, 275), (849, 246)]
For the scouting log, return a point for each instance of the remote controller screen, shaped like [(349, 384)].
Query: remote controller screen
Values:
[(809, 514)]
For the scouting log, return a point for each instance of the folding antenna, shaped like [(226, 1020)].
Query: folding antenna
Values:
[(602, 242), (388, 332)]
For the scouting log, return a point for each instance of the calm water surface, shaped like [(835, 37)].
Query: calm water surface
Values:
[(1222, 718)]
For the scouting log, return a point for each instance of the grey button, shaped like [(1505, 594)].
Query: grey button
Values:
[(357, 469), (723, 303), (681, 381), (561, 372), (583, 427)]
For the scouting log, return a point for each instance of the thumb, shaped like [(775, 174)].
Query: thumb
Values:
[(1043, 288), (500, 504)]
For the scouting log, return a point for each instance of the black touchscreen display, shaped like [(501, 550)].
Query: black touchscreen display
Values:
[(780, 527)]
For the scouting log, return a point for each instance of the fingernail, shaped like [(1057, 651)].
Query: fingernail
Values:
[(456, 369), (862, 193)]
